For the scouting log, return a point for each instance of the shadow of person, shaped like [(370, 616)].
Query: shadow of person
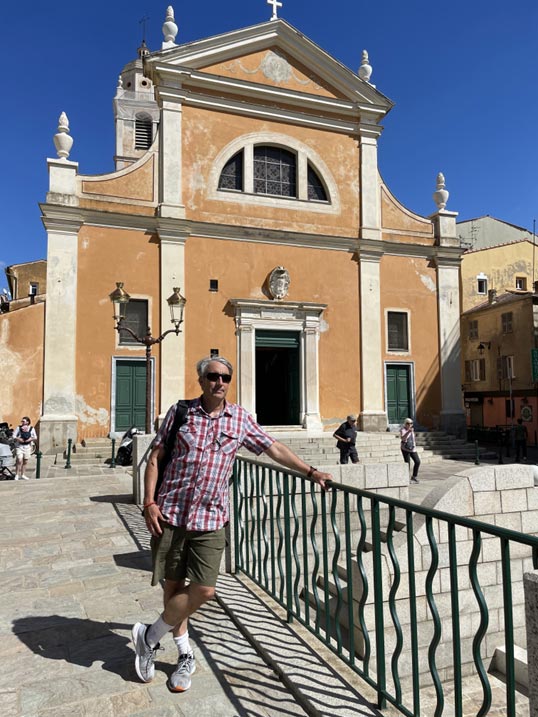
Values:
[(80, 642)]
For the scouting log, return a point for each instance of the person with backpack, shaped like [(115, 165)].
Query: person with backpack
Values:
[(24, 438), (409, 447), (346, 438), (188, 514)]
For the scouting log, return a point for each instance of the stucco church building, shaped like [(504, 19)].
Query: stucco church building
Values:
[(247, 176)]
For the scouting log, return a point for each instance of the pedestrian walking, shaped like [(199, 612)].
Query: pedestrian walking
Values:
[(521, 435), (24, 437), (188, 515), (409, 447), (346, 438)]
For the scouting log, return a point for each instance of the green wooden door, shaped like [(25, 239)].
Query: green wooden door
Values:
[(277, 378), (398, 393), (130, 394)]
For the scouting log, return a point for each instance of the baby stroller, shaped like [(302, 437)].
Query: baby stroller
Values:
[(7, 462), (7, 459)]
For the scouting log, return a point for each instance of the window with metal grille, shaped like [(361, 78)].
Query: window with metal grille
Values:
[(231, 176), (143, 132), (275, 171), (506, 320), (397, 332), (473, 329), (316, 190), (136, 319)]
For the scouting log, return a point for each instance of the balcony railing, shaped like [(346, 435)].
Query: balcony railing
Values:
[(409, 598)]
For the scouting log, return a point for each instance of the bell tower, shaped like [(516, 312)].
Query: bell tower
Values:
[(136, 113)]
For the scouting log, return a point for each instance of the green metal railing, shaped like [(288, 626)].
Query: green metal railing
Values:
[(334, 562)]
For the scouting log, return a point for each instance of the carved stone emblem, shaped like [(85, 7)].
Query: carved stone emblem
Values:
[(275, 67), (279, 283)]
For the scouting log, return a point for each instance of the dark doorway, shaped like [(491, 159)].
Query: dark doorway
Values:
[(277, 378)]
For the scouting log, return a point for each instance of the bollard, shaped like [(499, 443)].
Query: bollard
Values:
[(113, 459), (477, 454), (68, 462), (38, 465)]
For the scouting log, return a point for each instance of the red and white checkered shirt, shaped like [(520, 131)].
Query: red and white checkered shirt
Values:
[(195, 492)]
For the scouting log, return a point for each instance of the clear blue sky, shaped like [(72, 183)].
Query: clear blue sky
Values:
[(462, 74)]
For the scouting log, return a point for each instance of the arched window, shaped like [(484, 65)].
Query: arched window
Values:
[(271, 171), (316, 189), (143, 132), (232, 174), (275, 172)]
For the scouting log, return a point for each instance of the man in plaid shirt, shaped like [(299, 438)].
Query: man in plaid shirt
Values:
[(188, 517)]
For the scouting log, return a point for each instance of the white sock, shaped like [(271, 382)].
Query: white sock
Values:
[(183, 645), (157, 631)]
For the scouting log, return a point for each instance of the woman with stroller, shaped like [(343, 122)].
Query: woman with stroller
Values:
[(24, 437)]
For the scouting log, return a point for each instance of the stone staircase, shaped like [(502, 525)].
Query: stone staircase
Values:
[(94, 452), (319, 450), (378, 447)]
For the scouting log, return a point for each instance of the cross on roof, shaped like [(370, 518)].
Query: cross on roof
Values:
[(275, 5)]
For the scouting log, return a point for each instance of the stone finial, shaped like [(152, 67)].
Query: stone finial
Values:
[(62, 140), (170, 29), (440, 196), (365, 70), (120, 83)]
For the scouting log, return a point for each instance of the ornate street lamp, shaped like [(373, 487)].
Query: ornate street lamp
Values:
[(120, 298)]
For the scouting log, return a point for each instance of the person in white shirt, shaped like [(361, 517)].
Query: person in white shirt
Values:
[(24, 437), (409, 447)]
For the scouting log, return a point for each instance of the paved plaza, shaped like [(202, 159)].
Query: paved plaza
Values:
[(75, 577)]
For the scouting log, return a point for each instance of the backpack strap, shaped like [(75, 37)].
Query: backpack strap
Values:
[(180, 417)]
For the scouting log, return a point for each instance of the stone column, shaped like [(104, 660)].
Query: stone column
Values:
[(312, 418), (448, 259), (373, 416), (170, 162), (530, 586), (172, 349), (245, 371), (61, 220)]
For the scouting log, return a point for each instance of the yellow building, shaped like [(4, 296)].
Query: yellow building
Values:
[(246, 175), (499, 338)]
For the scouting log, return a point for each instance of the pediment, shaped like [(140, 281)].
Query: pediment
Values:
[(274, 54)]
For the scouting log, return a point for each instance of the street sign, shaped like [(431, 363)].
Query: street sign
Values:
[(534, 363)]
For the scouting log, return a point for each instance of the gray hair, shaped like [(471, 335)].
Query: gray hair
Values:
[(201, 366)]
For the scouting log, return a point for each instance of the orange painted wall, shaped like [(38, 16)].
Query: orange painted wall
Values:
[(107, 256), (325, 277), (21, 348), (409, 284), (206, 134)]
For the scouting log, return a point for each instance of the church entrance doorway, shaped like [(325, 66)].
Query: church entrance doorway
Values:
[(399, 400), (278, 378)]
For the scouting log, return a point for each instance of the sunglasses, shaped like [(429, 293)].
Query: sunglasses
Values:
[(214, 376)]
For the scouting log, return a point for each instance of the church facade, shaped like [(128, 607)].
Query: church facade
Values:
[(247, 176)]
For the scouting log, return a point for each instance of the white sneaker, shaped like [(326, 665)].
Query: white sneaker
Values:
[(180, 679), (16, 478), (23, 477)]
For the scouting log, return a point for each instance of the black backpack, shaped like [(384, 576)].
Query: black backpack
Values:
[(179, 419)]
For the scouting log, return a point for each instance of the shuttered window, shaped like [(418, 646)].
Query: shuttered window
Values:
[(143, 132)]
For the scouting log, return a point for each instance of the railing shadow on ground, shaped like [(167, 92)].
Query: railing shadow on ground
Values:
[(399, 592)]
